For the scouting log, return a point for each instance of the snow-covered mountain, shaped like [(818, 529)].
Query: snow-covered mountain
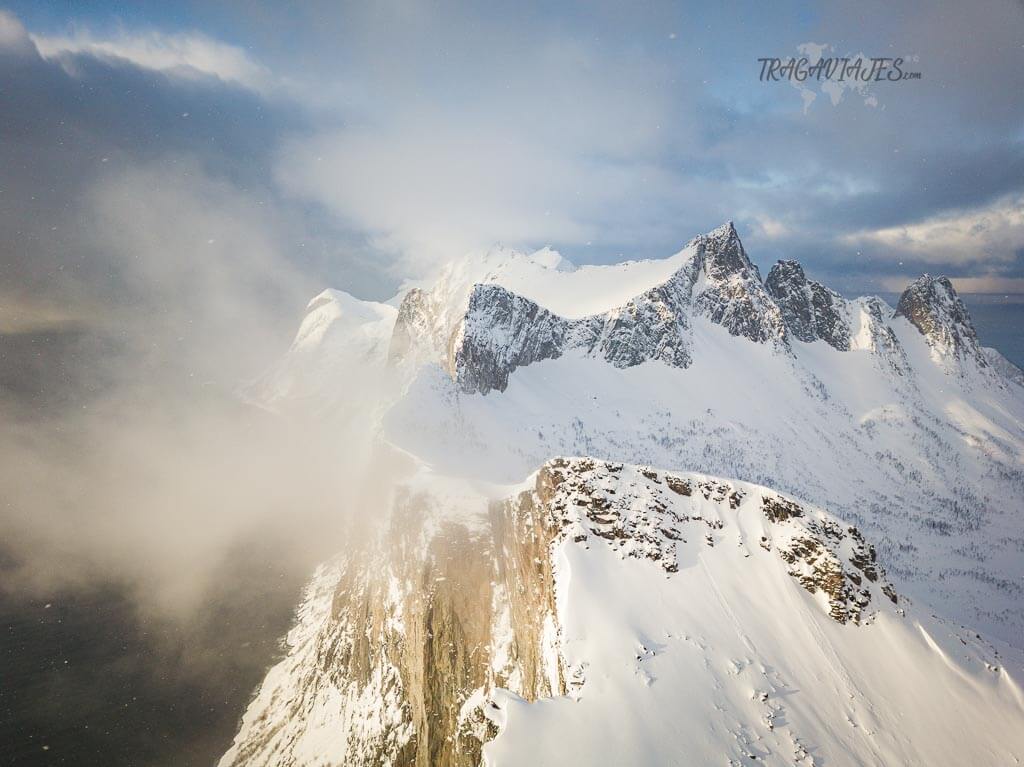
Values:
[(606, 612)]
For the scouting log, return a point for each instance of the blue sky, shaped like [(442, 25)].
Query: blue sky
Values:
[(249, 154)]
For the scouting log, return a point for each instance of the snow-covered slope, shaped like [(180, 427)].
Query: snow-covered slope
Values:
[(1003, 366), (338, 356), (922, 445), (657, 626), (655, 617)]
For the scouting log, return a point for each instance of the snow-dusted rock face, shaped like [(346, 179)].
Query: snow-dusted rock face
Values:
[(499, 330), (809, 309), (647, 514), (877, 336), (482, 332), (423, 646), (727, 288), (932, 306), (502, 331), (652, 326)]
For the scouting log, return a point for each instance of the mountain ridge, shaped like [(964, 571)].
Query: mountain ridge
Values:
[(562, 627), (716, 279), (504, 582)]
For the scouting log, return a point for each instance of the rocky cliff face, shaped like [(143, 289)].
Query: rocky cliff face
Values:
[(728, 290), (809, 309), (652, 326), (400, 646), (932, 306), (499, 331), (502, 331), (879, 336), (397, 642)]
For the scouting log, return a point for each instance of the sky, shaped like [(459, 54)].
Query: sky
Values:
[(254, 153)]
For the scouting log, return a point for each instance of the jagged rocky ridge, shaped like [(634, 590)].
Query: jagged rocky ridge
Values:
[(400, 646), (886, 425), (500, 331)]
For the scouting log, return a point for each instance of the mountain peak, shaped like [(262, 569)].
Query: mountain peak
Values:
[(931, 305), (724, 254), (727, 287), (551, 259)]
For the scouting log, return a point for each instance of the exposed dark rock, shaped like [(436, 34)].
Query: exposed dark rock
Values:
[(732, 294), (652, 326), (809, 309), (502, 331), (781, 509)]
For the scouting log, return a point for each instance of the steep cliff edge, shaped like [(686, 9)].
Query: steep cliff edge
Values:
[(809, 309), (407, 652)]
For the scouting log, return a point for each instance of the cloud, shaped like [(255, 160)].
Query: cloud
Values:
[(515, 134), (607, 138), (187, 55), (152, 473), (988, 236), (14, 38), (992, 284), (423, 133), (448, 189), (148, 269)]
